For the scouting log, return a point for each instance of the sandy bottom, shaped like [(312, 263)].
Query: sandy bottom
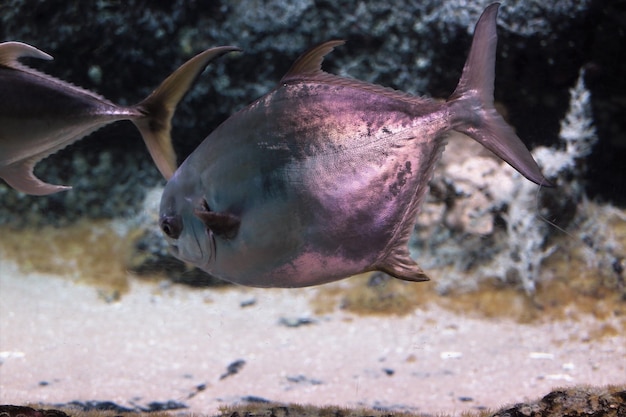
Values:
[(62, 342)]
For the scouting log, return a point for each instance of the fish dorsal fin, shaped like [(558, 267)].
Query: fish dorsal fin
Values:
[(310, 62), (10, 52), (308, 67)]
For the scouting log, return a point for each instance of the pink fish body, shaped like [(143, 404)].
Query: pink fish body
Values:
[(323, 177)]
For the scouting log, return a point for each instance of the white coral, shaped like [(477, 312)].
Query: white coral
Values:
[(527, 228), (577, 133), (484, 191)]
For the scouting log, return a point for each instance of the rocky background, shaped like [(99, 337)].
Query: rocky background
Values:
[(124, 49)]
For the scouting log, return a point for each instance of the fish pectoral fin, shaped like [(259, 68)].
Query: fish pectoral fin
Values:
[(10, 52), (20, 176), (399, 265), (222, 224)]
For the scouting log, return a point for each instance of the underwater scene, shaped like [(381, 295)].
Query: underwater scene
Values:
[(290, 208)]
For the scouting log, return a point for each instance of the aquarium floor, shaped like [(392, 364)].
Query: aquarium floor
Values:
[(207, 348)]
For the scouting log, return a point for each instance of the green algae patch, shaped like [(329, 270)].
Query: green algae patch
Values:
[(573, 290), (580, 278), (88, 252), (372, 294), (576, 281)]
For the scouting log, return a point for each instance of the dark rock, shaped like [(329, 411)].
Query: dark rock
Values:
[(19, 411), (255, 399), (248, 303), (301, 379), (296, 322), (573, 402), (163, 406), (233, 368), (96, 406)]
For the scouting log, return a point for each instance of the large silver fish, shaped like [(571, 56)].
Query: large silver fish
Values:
[(40, 114), (323, 177)]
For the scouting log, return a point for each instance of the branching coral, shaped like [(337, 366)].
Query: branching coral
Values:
[(475, 193)]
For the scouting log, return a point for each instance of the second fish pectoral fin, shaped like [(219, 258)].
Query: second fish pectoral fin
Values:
[(10, 52), (223, 224)]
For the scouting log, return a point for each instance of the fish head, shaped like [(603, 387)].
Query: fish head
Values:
[(188, 238), (191, 227)]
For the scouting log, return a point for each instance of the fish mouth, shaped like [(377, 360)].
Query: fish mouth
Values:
[(195, 246)]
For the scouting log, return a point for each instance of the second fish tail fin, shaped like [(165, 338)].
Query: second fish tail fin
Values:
[(472, 103), (159, 107)]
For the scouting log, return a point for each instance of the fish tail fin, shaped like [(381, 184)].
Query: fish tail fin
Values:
[(472, 104), (159, 107)]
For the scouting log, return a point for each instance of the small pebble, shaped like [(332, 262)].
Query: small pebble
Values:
[(540, 355), (295, 322), (255, 399), (247, 303), (233, 368), (451, 355)]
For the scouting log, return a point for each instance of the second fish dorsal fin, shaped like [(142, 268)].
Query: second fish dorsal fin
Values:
[(10, 52), (310, 62)]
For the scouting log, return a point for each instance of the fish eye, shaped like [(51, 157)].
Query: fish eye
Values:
[(171, 226)]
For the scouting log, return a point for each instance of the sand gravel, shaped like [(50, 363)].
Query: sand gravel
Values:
[(62, 342)]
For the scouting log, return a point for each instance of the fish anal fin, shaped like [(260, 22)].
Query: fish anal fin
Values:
[(21, 177), (223, 224), (399, 265), (310, 62), (10, 52)]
